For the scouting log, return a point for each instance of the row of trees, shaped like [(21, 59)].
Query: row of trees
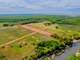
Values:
[(6, 25), (49, 47), (57, 45), (46, 48)]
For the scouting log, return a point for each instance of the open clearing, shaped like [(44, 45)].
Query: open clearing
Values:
[(10, 42), (12, 33), (37, 30), (21, 41)]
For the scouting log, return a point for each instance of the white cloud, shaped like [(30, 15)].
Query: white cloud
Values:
[(38, 5), (13, 4)]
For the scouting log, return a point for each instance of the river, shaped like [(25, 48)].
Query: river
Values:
[(68, 52)]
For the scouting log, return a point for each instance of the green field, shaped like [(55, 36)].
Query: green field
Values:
[(64, 30), (30, 19), (11, 33), (27, 48)]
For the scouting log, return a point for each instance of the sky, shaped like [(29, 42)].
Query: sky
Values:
[(70, 7)]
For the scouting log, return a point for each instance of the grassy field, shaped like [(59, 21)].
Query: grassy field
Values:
[(24, 47), (63, 31), (71, 27), (11, 33), (57, 28), (27, 45)]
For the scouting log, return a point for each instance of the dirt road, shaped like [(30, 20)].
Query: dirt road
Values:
[(46, 33), (5, 44), (35, 30)]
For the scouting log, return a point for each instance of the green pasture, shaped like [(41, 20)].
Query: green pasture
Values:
[(11, 33)]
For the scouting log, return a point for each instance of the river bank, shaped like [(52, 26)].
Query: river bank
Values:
[(68, 52), (64, 53)]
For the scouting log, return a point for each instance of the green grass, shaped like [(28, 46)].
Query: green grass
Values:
[(25, 50), (18, 50), (30, 19), (71, 27), (73, 57), (11, 33)]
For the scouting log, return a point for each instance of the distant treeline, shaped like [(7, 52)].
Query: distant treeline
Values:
[(33, 19)]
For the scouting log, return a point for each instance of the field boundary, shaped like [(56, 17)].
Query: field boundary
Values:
[(10, 42)]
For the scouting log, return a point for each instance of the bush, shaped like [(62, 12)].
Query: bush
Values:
[(25, 58), (47, 24), (73, 58), (5, 25), (45, 47), (11, 24), (2, 57)]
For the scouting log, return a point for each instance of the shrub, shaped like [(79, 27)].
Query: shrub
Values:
[(46, 47), (2, 57), (5, 25), (73, 58)]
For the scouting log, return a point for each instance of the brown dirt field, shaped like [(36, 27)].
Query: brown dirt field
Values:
[(46, 33)]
